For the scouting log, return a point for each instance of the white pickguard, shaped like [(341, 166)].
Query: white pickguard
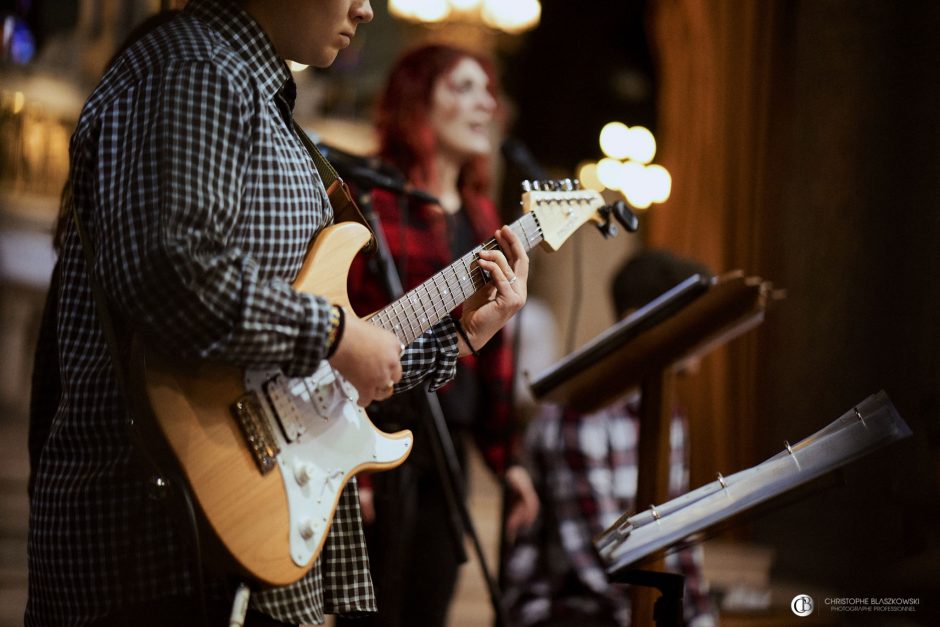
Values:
[(323, 436)]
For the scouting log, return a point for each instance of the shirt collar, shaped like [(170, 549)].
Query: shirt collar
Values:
[(246, 37)]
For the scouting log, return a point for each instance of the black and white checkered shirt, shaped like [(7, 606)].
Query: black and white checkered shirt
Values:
[(201, 203)]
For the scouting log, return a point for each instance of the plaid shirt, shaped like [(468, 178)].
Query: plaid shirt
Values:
[(201, 202), (585, 469), (419, 242)]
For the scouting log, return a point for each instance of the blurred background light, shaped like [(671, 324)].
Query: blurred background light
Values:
[(640, 144), (510, 16), (615, 140), (624, 169)]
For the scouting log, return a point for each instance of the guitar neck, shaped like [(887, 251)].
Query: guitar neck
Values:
[(425, 305)]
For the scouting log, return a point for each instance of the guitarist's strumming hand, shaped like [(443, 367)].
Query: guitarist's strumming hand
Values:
[(369, 357), (487, 311)]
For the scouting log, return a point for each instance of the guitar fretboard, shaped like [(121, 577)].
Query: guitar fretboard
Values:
[(424, 306)]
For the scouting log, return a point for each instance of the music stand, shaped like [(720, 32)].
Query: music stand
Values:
[(693, 318), (864, 428)]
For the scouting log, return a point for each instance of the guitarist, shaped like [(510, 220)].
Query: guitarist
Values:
[(199, 202)]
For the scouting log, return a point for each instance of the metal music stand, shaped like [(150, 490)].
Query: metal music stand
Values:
[(868, 426), (689, 320)]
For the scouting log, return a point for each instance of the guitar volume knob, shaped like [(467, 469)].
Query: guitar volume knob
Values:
[(306, 529), (303, 472)]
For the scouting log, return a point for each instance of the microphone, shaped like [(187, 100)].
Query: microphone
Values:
[(371, 173), (516, 153)]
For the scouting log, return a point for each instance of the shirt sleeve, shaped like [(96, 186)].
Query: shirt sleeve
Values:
[(173, 157), (433, 356)]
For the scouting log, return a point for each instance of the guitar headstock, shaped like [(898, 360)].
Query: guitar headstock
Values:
[(561, 207)]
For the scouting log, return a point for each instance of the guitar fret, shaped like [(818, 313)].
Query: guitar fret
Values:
[(436, 295), (525, 234), (377, 320), (399, 323), (456, 285), (443, 292), (414, 330), (423, 306), (466, 279)]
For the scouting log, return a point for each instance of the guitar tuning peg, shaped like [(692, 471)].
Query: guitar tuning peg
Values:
[(526, 186), (625, 216), (577, 183), (536, 186), (567, 185), (607, 228)]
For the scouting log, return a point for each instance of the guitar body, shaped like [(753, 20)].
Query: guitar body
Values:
[(267, 457)]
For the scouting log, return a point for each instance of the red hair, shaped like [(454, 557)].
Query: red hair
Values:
[(402, 118)]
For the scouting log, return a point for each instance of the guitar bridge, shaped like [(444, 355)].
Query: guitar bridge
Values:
[(248, 412)]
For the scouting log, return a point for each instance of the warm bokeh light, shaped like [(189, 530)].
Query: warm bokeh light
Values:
[(587, 174), (432, 10), (511, 16), (609, 173), (624, 169), (632, 176), (402, 8), (615, 138), (638, 198), (465, 5), (641, 145), (659, 182), (19, 101), (421, 10)]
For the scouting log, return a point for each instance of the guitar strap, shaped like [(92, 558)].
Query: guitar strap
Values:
[(345, 208)]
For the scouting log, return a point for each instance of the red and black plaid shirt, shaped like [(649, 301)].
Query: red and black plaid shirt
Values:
[(419, 239)]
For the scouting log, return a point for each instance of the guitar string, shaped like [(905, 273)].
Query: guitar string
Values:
[(401, 306), (475, 273)]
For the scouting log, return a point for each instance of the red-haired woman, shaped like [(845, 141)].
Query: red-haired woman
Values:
[(435, 121)]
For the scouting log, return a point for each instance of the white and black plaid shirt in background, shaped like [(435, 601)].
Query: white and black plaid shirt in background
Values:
[(585, 469), (201, 203)]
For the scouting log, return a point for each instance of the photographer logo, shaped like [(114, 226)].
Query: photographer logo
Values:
[(802, 605)]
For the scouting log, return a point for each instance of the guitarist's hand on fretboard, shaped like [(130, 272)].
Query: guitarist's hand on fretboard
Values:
[(369, 357), (487, 311)]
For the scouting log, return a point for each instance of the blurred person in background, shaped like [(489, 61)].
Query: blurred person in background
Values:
[(435, 122), (585, 471)]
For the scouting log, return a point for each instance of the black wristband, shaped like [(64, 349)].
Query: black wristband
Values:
[(463, 334)]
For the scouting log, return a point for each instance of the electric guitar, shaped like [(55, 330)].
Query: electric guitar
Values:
[(266, 456)]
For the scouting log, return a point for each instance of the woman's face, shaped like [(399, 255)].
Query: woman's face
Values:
[(462, 110)]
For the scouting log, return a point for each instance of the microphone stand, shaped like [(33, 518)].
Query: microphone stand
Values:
[(442, 445)]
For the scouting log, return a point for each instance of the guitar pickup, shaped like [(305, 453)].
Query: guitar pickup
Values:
[(289, 400), (254, 427)]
